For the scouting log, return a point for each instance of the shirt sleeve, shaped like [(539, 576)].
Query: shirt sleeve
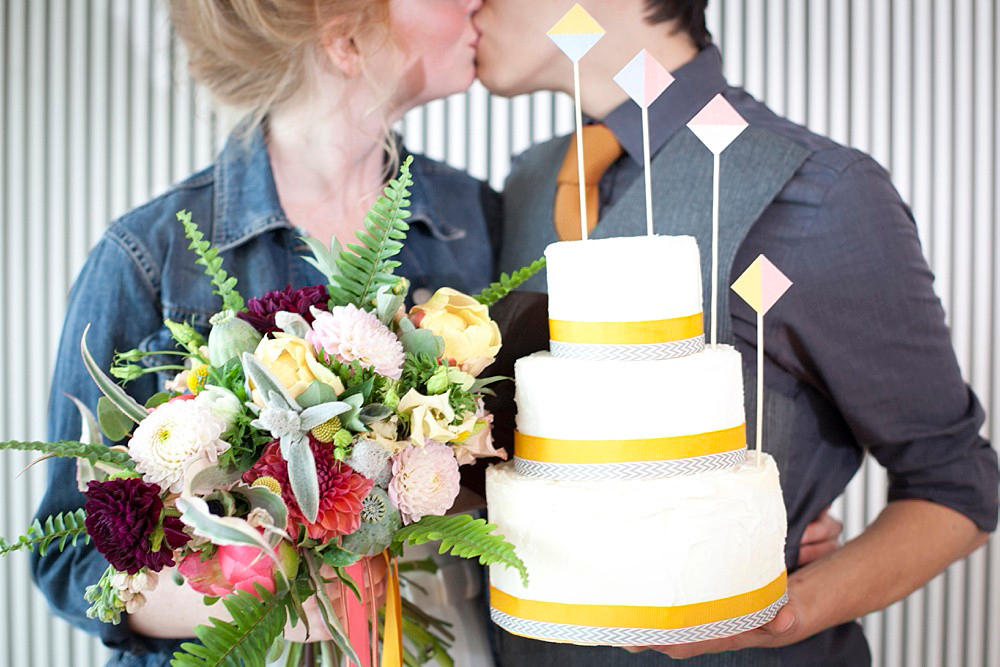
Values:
[(864, 326), (117, 299)]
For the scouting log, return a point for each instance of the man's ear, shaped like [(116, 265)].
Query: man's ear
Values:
[(341, 50)]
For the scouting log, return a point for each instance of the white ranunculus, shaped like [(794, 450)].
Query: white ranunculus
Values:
[(170, 437), (223, 403)]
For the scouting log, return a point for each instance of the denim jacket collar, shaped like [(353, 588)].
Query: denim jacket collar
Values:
[(246, 199)]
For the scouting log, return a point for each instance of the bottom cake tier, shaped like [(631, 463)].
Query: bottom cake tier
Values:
[(640, 562)]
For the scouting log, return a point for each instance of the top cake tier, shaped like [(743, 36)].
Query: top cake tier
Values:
[(626, 298)]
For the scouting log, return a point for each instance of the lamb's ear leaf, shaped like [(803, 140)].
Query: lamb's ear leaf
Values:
[(302, 477)]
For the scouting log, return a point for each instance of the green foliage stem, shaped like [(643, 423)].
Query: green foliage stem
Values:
[(509, 283), (243, 641), (208, 257), (93, 452), (465, 537), (65, 527), (363, 269)]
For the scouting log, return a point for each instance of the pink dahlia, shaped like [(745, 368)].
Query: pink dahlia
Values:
[(424, 480), (348, 334), (341, 491), (260, 311)]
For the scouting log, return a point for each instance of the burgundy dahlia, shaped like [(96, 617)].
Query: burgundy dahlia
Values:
[(260, 311), (341, 491), (121, 516)]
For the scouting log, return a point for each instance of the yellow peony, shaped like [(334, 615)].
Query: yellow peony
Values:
[(291, 360), (471, 338)]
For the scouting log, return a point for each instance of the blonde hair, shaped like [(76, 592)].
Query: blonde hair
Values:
[(257, 54)]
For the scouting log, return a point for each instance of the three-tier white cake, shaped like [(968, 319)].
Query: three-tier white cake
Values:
[(631, 498)]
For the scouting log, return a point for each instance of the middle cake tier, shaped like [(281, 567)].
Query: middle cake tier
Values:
[(582, 419)]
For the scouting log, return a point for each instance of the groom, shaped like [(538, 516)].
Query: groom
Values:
[(859, 356)]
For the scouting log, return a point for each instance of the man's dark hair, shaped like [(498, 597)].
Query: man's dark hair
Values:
[(689, 14)]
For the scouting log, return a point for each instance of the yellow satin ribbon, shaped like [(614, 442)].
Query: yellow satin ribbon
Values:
[(392, 637), (652, 618), (549, 450), (627, 333)]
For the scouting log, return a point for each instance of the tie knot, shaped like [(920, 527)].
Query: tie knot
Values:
[(600, 150)]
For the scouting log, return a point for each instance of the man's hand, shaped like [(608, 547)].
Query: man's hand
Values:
[(821, 537), (780, 631)]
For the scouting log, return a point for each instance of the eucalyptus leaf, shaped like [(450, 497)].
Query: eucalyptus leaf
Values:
[(422, 341), (316, 393), (483, 382), (114, 423), (375, 412), (302, 477), (221, 530), (291, 323), (116, 394), (334, 556), (265, 499), (157, 399)]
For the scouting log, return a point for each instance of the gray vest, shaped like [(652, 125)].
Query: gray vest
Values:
[(753, 170)]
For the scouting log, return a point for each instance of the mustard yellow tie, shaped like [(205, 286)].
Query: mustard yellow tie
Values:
[(600, 150)]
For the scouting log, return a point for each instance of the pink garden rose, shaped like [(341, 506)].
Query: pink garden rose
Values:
[(236, 568)]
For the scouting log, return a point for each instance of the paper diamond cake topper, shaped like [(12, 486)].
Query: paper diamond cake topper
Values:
[(644, 78), (717, 124), (762, 284), (576, 33)]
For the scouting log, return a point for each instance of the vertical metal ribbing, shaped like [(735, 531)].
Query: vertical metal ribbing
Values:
[(7, 518)]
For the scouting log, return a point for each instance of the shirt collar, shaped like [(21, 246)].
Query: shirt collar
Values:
[(695, 83), (246, 200)]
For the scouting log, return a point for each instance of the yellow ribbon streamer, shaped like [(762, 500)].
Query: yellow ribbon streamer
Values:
[(627, 333), (653, 618), (392, 637), (550, 450)]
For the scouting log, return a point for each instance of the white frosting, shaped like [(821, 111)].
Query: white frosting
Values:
[(659, 542), (625, 279), (601, 400)]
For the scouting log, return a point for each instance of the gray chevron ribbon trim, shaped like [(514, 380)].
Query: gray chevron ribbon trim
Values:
[(599, 352), (586, 635), (637, 470)]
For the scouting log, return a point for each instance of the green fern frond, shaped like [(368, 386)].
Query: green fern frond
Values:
[(209, 258), (364, 268), (465, 537), (509, 283), (94, 452), (65, 527), (242, 642)]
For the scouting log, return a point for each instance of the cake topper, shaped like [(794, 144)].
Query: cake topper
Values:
[(575, 34), (716, 125), (761, 285), (645, 79)]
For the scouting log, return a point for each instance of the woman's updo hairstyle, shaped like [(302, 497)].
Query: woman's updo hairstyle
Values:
[(257, 54)]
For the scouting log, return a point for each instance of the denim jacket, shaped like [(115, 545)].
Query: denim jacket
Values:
[(142, 272)]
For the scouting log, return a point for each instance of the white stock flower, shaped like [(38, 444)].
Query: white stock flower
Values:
[(170, 437)]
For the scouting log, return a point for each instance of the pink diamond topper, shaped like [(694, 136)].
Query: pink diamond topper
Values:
[(762, 284), (644, 78), (717, 124)]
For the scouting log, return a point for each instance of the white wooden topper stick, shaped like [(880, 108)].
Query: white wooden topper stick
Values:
[(761, 285), (575, 34), (717, 125), (645, 79)]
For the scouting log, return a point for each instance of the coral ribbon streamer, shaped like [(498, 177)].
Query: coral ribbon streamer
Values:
[(550, 450), (357, 616), (392, 642), (621, 616), (627, 333)]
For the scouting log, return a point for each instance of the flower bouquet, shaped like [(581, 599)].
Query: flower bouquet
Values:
[(301, 445)]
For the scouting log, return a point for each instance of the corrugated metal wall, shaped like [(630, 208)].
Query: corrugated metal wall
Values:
[(97, 115)]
